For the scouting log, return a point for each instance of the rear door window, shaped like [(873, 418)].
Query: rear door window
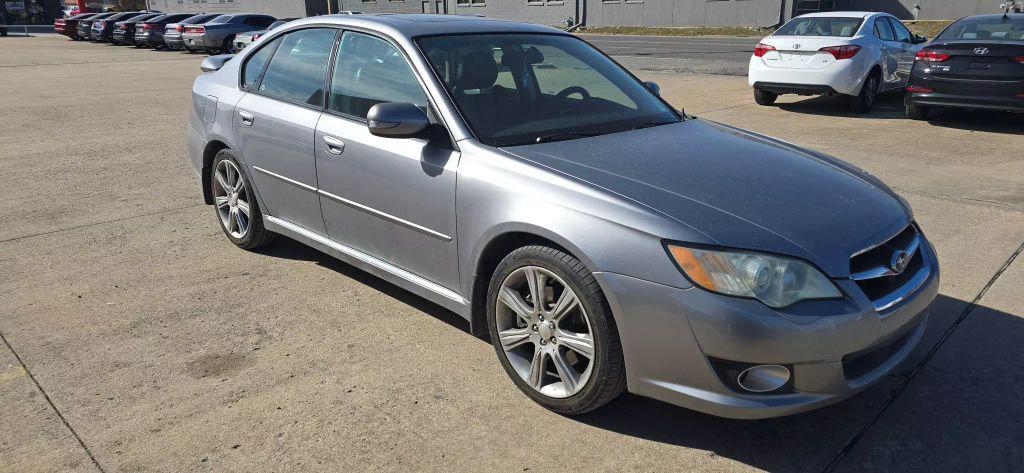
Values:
[(902, 33), (883, 30), (298, 70)]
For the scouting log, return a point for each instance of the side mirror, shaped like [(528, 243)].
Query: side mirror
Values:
[(653, 87), (214, 63), (920, 38), (396, 120)]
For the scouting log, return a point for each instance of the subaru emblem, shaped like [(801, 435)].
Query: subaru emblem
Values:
[(899, 262), (980, 50)]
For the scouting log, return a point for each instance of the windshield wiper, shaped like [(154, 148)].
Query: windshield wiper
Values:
[(650, 124), (568, 135)]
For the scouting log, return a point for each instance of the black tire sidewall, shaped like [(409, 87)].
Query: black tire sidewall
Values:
[(599, 314)]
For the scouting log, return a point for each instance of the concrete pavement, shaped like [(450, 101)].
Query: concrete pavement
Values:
[(164, 348)]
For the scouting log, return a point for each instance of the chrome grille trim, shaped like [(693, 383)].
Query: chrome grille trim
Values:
[(882, 270), (885, 288)]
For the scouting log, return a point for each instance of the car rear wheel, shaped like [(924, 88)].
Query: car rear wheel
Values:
[(862, 102), (764, 97), (229, 45), (917, 112), (237, 209), (553, 331)]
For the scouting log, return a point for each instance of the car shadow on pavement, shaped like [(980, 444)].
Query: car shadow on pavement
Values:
[(887, 106), (960, 412)]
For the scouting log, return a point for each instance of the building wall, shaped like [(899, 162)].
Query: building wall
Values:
[(684, 12), (764, 13), (923, 9), (277, 8)]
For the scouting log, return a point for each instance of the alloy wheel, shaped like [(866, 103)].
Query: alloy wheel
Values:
[(231, 196), (545, 332)]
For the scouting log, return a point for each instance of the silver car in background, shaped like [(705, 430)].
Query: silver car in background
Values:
[(218, 34), (173, 31), (243, 40), (601, 240)]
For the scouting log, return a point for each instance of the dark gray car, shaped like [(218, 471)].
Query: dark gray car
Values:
[(600, 239), (173, 31), (218, 34)]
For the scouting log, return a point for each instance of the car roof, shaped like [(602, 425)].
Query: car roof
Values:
[(994, 16), (842, 14), (411, 25)]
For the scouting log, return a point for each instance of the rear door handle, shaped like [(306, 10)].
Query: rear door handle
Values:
[(247, 117), (334, 145)]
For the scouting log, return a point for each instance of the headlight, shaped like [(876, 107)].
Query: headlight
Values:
[(774, 280)]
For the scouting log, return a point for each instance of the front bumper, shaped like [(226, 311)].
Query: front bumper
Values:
[(670, 336)]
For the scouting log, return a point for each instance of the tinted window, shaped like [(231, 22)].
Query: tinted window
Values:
[(261, 21), (368, 71), (982, 28), (254, 66), (220, 19), (902, 33), (298, 70), (883, 30), (525, 88), (820, 26)]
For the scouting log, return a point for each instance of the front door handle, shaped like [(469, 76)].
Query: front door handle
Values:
[(247, 117), (334, 145)]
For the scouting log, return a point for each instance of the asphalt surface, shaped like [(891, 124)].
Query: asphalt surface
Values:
[(702, 54), (135, 337)]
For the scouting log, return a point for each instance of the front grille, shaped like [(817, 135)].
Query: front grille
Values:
[(859, 364), (878, 274)]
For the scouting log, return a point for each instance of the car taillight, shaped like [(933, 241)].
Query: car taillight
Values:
[(762, 48), (1019, 59), (147, 26), (256, 36), (930, 56), (195, 29), (179, 28), (917, 88), (841, 52)]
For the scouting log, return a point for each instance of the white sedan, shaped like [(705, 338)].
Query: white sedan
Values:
[(857, 54)]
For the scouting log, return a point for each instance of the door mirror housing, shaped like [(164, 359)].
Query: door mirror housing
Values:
[(653, 87), (920, 38), (396, 120), (214, 63)]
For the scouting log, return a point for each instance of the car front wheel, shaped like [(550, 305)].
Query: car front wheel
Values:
[(553, 331), (237, 209), (764, 97)]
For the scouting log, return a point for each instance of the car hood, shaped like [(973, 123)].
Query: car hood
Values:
[(737, 188)]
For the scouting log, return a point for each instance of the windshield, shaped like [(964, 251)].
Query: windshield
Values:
[(820, 26), (516, 89), (983, 28)]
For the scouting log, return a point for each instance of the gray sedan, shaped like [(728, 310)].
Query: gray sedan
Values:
[(218, 34), (601, 240)]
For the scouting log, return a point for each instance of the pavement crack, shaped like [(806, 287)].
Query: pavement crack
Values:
[(93, 224), (857, 436), (49, 401)]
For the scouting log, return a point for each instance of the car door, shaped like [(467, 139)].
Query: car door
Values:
[(276, 120), (891, 51), (908, 49), (392, 198)]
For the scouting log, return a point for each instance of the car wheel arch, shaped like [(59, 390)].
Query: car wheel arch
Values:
[(209, 152), (492, 251)]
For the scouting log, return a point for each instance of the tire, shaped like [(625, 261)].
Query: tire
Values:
[(917, 112), (862, 102), (764, 97), (229, 45), (595, 381), (228, 204)]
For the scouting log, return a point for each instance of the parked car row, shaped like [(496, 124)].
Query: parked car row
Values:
[(977, 62), (194, 32)]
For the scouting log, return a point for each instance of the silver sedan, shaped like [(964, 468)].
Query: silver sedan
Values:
[(601, 240)]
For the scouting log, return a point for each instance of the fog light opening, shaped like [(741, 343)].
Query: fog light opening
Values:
[(763, 378)]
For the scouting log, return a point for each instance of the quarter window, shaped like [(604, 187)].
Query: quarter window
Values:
[(902, 33), (257, 63), (298, 70), (368, 71)]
